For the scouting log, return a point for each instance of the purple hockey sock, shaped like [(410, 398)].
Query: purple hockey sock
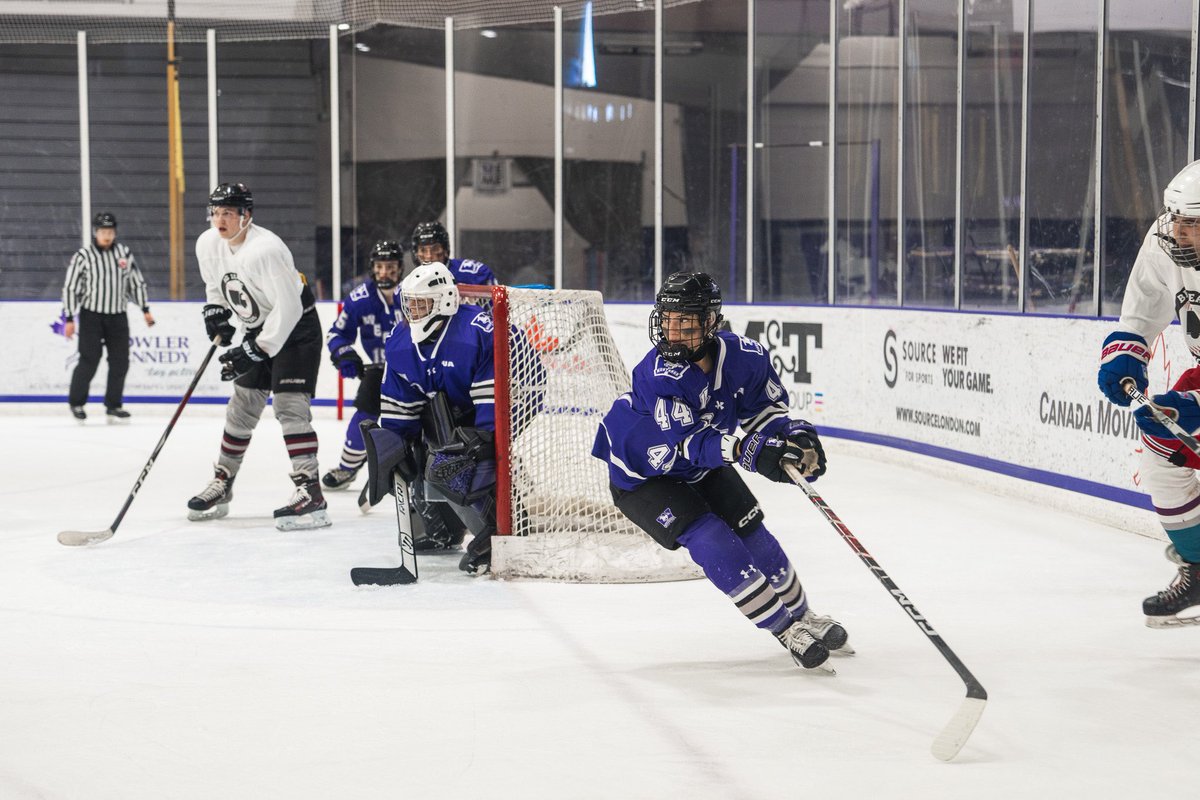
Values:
[(769, 556), (729, 565), (354, 450)]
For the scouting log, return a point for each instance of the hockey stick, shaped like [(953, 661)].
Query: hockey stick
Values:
[(1160, 416), (76, 538), (955, 734), (407, 571)]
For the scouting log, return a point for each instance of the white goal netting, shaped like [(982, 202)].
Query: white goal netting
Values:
[(563, 373)]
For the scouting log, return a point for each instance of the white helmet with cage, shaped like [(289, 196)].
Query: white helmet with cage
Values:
[(428, 297), (1179, 224)]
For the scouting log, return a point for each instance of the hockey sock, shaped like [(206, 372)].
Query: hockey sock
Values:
[(771, 559), (294, 413), (730, 567), (1187, 543), (233, 449), (354, 450)]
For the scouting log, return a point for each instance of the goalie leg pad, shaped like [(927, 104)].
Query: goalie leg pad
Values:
[(386, 451)]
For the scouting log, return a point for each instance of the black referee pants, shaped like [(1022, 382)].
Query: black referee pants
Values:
[(98, 331)]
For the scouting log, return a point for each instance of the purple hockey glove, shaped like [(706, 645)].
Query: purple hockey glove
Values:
[(347, 360)]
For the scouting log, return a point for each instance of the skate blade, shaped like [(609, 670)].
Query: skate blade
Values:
[(1162, 623), (844, 650), (115, 421), (824, 668), (305, 522), (216, 512)]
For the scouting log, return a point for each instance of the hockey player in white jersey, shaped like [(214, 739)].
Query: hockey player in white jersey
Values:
[(249, 272), (1164, 285)]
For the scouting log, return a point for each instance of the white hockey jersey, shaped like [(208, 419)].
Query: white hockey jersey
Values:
[(1159, 291), (259, 283)]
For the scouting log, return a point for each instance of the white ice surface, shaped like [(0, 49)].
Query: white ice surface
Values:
[(229, 660)]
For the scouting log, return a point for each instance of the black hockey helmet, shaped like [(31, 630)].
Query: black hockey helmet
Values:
[(427, 233), (387, 250), (104, 220), (688, 293), (232, 195)]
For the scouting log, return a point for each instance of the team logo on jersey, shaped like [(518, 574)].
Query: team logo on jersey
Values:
[(668, 369), (483, 322), (240, 299), (750, 346), (360, 292), (470, 266), (665, 518)]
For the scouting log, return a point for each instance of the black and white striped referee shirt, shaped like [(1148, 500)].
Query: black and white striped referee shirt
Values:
[(103, 281)]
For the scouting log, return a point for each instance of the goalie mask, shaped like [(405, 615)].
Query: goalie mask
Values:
[(687, 312), (1179, 225), (385, 264), (430, 235), (428, 297)]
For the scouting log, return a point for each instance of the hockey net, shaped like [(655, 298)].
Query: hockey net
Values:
[(557, 373)]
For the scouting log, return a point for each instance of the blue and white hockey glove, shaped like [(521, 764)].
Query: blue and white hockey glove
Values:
[(1183, 407), (347, 360), (1123, 356), (237, 361)]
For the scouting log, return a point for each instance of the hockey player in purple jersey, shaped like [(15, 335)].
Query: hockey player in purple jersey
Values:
[(670, 447), (431, 245), (438, 397), (369, 313)]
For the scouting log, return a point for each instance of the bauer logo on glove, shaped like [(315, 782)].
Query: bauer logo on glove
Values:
[(237, 361)]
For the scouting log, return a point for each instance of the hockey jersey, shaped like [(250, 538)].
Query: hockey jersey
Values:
[(674, 420), (1159, 291), (468, 270), (458, 361), (366, 316), (258, 281)]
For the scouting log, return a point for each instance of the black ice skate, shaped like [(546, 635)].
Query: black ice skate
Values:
[(442, 530), (1162, 610), (478, 558), (306, 509), (78, 413), (806, 650), (829, 631), (339, 478), (213, 501), (116, 415)]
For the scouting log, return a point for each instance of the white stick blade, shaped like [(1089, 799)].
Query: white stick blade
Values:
[(958, 730), (77, 538)]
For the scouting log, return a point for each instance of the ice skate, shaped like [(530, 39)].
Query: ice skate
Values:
[(117, 416), (1163, 609), (339, 478), (78, 413), (441, 532), (807, 651), (829, 631), (306, 509), (477, 560), (213, 500)]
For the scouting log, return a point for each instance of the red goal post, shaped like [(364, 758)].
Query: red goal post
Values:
[(557, 373)]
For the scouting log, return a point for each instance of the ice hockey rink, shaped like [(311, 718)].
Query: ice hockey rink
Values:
[(229, 660)]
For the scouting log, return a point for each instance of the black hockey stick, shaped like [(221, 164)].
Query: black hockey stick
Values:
[(75, 538), (1161, 417), (955, 734), (407, 571)]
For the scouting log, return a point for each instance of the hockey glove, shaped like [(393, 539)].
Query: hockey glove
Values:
[(237, 361), (347, 361), (1183, 407), (216, 322), (803, 435), (1123, 356), (766, 454)]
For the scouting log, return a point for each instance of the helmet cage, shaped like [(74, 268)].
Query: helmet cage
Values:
[(681, 352), (1184, 255), (428, 297)]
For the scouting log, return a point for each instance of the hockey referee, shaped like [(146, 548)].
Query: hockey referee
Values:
[(101, 280)]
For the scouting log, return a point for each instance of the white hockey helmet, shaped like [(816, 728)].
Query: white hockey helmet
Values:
[(1179, 224), (428, 297)]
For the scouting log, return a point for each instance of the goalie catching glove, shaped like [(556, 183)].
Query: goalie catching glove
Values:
[(237, 361), (795, 443)]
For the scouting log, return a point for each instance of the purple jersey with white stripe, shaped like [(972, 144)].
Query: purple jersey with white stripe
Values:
[(366, 315), (457, 361), (673, 421)]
